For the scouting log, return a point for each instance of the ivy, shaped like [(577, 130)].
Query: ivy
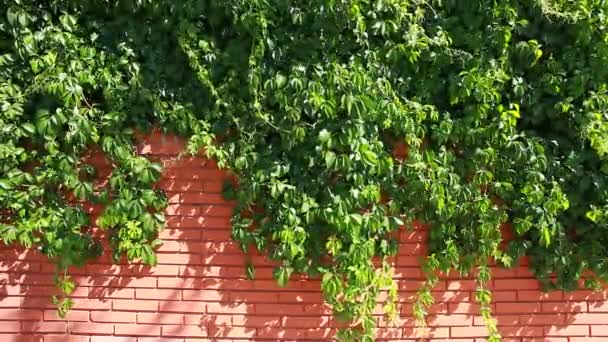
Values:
[(502, 106)]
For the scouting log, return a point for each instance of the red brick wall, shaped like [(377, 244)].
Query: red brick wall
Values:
[(199, 290)]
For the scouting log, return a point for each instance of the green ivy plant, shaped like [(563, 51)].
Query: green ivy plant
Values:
[(503, 107)]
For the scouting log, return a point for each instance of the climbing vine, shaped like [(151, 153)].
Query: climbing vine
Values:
[(503, 107)]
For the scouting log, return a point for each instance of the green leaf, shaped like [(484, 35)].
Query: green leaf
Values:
[(330, 159), (282, 274), (29, 128), (250, 271), (5, 184), (324, 136)]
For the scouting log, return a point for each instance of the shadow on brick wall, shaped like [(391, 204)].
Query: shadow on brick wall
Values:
[(199, 289)]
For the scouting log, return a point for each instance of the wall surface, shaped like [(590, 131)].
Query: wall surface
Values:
[(199, 290)]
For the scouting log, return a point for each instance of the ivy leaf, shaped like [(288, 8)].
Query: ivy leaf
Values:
[(29, 128), (282, 274), (250, 271), (368, 156), (330, 159), (5, 184), (324, 136)]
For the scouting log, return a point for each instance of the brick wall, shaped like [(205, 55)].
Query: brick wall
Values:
[(199, 290)]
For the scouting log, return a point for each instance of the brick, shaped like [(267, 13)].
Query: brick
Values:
[(184, 331), (438, 333), (202, 198), (158, 294), (587, 318), (586, 295), (254, 297), (113, 316), (516, 284), (533, 296), (213, 320), (569, 330), (173, 197), (175, 283), (169, 247), (216, 235), (504, 296), (109, 269), (218, 308), (192, 173), (463, 285), (108, 293), (224, 260), (43, 327), (407, 272), (66, 338), (468, 331), (98, 282), (412, 249), (181, 307), (522, 331), (160, 318), (204, 295), (10, 302), (596, 306), (20, 314), (326, 334), (499, 272), (564, 307), (180, 234), (73, 315), (157, 144), (598, 330), (10, 327), (179, 185), (111, 339), (164, 270), (275, 321), (136, 330), (91, 328), (279, 309), (182, 210), (463, 308), (214, 271), (449, 320), (451, 296), (501, 320), (413, 236), (300, 297), (213, 187), (216, 210), (439, 308), (32, 279), (183, 222), (212, 247), (91, 304), (542, 319), (134, 305), (178, 259), (517, 308), (280, 334)]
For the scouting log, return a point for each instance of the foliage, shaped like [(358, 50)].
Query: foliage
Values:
[(503, 106)]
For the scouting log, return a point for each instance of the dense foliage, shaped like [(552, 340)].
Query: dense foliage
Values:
[(503, 106)]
